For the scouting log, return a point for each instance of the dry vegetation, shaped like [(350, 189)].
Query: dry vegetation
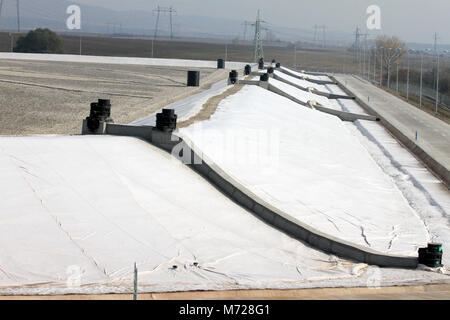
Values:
[(333, 60)]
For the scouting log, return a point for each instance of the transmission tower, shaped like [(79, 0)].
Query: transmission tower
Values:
[(365, 50), (324, 39), (1, 6), (317, 30), (436, 61), (357, 44), (259, 53), (160, 10), (18, 13), (315, 33), (435, 42), (18, 16), (246, 24)]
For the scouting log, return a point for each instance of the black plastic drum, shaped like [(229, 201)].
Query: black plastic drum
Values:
[(166, 120), (193, 78)]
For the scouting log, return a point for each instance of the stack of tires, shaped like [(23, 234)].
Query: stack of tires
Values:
[(233, 76), (264, 77), (431, 256), (166, 120), (247, 69), (261, 64), (100, 111)]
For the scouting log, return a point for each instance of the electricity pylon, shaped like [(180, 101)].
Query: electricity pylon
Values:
[(1, 6), (317, 30), (324, 39), (246, 24), (315, 34), (169, 10), (259, 53), (18, 13), (18, 16), (356, 46)]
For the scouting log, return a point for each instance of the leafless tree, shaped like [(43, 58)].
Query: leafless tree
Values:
[(391, 49)]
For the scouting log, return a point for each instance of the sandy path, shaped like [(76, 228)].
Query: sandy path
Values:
[(428, 292)]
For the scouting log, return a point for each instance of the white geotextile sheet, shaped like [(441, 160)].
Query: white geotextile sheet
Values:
[(348, 105), (429, 197), (77, 212), (187, 107), (309, 76), (316, 170), (425, 193), (120, 60), (300, 82), (305, 96)]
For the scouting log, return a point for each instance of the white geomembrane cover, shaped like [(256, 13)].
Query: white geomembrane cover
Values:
[(300, 82), (81, 210), (305, 75), (323, 176)]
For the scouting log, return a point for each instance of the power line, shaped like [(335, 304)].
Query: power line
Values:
[(39, 11), (357, 45), (269, 34)]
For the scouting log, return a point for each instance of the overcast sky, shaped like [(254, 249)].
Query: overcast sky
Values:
[(411, 20)]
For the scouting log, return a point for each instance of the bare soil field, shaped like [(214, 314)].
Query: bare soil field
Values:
[(53, 97), (313, 59)]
